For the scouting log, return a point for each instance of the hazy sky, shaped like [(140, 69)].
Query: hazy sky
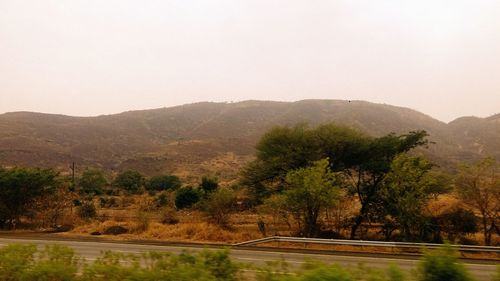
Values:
[(89, 57)]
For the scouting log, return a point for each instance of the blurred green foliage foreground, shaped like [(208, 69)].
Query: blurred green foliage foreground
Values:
[(60, 263)]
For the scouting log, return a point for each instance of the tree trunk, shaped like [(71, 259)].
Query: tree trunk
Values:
[(358, 221), (311, 222), (487, 237)]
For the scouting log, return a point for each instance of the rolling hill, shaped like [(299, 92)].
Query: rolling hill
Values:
[(199, 138)]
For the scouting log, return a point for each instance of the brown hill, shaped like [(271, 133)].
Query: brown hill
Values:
[(217, 137)]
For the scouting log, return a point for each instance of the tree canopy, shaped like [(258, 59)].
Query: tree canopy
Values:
[(364, 160), (163, 182), (310, 191), (131, 181), (408, 187), (92, 181), (19, 188), (478, 185)]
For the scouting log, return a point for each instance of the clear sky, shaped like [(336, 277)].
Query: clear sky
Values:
[(90, 57)]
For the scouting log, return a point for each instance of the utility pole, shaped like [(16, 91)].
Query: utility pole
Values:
[(73, 187)]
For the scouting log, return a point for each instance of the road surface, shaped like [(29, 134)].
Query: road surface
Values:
[(90, 250)]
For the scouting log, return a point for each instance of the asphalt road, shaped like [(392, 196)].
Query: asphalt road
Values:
[(91, 250)]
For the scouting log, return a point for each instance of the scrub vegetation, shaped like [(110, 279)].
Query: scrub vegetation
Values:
[(57, 263), (329, 181)]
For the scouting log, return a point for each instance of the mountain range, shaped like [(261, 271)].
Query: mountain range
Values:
[(195, 139)]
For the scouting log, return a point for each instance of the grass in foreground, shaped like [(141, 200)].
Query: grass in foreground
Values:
[(59, 263)]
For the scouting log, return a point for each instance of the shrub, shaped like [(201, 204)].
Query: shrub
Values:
[(15, 260), (209, 184), (206, 266), (59, 263), (442, 264), (115, 230), (55, 263), (21, 262), (169, 216), (92, 181), (219, 264), (142, 221), (459, 222), (87, 211), (162, 200), (130, 181), (108, 202), (186, 197), (164, 182), (77, 203), (219, 205)]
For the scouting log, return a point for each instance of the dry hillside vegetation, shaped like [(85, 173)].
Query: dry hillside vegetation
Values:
[(189, 139)]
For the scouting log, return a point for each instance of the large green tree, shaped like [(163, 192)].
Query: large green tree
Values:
[(478, 186), (280, 150), (19, 188), (283, 149), (364, 160), (373, 162), (408, 187)]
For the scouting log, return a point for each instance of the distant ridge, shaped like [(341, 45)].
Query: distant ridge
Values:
[(218, 137)]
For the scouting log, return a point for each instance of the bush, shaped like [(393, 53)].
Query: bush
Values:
[(442, 264), (87, 211), (92, 182), (209, 184), (142, 221), (115, 230), (55, 263), (317, 271), (108, 202), (219, 205), (21, 262), (219, 264), (165, 182), (206, 266), (459, 222), (15, 260), (162, 200), (59, 263), (186, 197), (130, 181), (169, 216)]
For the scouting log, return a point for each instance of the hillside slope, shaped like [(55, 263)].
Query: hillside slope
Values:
[(206, 137)]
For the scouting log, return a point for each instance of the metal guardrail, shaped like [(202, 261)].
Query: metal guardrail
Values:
[(466, 248)]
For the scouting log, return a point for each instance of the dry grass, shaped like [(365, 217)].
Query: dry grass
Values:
[(191, 231), (193, 226), (97, 226), (196, 232)]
